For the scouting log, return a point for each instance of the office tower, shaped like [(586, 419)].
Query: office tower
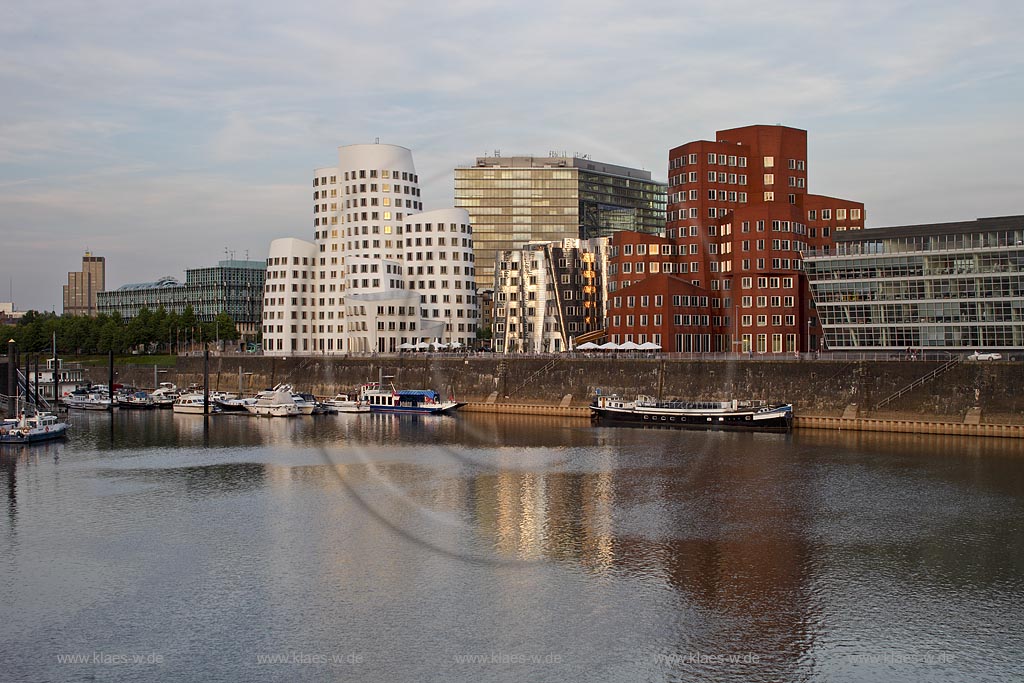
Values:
[(519, 199), (83, 286)]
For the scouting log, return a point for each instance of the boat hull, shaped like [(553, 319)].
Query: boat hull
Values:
[(17, 436), (190, 409), (775, 420), (87, 405), (273, 411), (446, 408)]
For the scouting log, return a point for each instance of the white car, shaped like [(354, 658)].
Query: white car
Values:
[(978, 355)]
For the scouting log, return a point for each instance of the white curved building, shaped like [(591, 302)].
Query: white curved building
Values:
[(288, 296), (439, 266), (364, 295)]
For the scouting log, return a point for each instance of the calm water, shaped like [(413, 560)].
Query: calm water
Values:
[(475, 548)]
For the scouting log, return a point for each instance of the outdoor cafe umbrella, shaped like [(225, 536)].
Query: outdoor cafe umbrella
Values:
[(629, 346), (587, 346), (650, 346), (609, 346)]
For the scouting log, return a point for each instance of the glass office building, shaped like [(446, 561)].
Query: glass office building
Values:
[(515, 200), (949, 286), (234, 287)]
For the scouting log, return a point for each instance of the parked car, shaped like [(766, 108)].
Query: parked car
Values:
[(978, 355)]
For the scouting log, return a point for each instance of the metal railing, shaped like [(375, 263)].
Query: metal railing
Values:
[(942, 369)]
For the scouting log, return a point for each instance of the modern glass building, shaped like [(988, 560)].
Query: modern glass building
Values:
[(951, 286), (234, 287), (515, 200)]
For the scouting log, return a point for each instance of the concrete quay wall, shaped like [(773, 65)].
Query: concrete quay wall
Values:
[(816, 388)]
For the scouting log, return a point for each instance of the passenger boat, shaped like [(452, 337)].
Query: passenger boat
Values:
[(82, 399), (190, 404), (734, 414), (343, 404), (274, 403), (413, 401), (39, 427)]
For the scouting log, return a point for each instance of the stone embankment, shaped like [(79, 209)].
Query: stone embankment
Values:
[(973, 397)]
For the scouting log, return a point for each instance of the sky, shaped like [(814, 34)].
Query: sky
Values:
[(165, 135)]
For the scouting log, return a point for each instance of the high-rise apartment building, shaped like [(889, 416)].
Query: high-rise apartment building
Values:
[(83, 286), (739, 220), (380, 272), (519, 199)]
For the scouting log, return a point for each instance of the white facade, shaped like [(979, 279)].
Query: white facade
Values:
[(382, 273), (287, 293)]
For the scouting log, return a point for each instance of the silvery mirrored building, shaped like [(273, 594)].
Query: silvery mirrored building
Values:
[(952, 286), (548, 293)]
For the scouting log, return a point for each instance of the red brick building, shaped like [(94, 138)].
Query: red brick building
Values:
[(739, 219)]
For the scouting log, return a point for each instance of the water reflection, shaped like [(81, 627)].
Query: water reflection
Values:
[(627, 550)]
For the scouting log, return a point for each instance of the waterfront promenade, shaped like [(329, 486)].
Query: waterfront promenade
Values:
[(966, 398)]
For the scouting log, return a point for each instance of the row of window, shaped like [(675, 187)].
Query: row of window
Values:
[(371, 173), (720, 159)]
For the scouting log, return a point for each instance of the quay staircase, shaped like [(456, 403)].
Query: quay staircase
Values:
[(941, 370)]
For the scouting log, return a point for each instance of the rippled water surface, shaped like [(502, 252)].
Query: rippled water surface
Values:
[(482, 548)]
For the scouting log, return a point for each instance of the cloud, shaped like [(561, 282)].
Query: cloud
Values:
[(145, 126)]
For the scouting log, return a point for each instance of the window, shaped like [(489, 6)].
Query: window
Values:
[(769, 179), (769, 162), (769, 196)]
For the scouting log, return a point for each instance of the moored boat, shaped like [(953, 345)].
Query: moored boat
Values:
[(32, 429), (82, 399), (165, 395), (411, 401), (274, 403), (190, 404), (341, 403), (233, 405), (733, 414), (138, 400)]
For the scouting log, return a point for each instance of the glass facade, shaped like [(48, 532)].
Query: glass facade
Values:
[(955, 286), (234, 287), (515, 200)]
